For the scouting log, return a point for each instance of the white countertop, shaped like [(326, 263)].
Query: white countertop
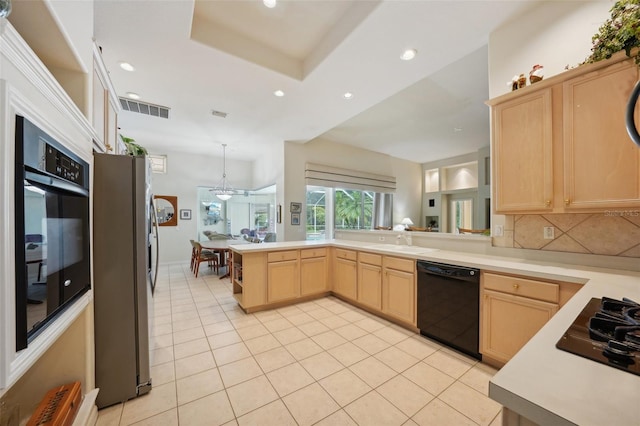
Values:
[(542, 383)]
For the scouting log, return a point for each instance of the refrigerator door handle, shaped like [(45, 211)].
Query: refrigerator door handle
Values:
[(155, 236)]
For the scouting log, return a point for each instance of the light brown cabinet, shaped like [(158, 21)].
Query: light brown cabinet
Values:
[(513, 309), (283, 278), (345, 276), (370, 280), (399, 289), (561, 145), (248, 273), (313, 271)]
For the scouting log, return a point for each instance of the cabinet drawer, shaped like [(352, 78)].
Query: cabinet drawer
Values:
[(399, 264), (370, 258), (522, 287), (346, 254), (314, 252), (279, 256)]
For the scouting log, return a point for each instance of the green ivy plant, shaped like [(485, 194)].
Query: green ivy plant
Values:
[(620, 32), (132, 147)]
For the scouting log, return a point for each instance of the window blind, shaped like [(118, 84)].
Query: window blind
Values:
[(333, 177)]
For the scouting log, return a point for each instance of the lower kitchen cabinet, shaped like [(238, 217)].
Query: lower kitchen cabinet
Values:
[(345, 277), (283, 278), (513, 310), (313, 271), (370, 280), (399, 289)]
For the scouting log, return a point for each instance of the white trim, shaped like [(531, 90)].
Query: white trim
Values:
[(334, 177)]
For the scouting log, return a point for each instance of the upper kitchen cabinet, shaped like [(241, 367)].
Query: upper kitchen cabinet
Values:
[(561, 145), (104, 117)]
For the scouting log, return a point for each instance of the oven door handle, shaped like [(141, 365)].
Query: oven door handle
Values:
[(55, 183)]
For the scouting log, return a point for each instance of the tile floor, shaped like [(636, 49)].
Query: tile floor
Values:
[(322, 362)]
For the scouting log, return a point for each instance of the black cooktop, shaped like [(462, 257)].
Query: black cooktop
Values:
[(606, 331)]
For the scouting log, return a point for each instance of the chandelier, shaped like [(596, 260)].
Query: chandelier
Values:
[(224, 190)]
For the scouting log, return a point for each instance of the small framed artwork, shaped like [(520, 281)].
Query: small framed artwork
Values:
[(296, 207), (295, 218), (185, 214)]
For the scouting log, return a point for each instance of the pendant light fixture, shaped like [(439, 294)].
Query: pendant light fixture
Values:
[(223, 191)]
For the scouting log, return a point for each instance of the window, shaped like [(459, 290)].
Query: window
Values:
[(158, 163), (316, 212), (353, 209)]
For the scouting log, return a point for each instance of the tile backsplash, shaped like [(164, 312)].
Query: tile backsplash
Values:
[(616, 233)]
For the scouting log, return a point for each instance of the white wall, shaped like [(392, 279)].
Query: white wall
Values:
[(406, 201), (185, 172)]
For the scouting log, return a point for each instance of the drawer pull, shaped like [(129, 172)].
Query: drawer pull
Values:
[(567, 201), (516, 286), (548, 203)]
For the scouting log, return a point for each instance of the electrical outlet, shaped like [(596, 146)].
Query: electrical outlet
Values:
[(499, 231), (380, 238), (548, 233)]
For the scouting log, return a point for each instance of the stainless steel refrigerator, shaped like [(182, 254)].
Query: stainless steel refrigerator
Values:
[(124, 271)]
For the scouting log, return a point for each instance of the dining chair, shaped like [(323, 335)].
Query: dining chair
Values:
[(204, 256)]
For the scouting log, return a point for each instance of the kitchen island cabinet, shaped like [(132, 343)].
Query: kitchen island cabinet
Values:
[(283, 277)]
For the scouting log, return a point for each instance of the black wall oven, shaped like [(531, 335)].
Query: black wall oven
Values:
[(52, 229)]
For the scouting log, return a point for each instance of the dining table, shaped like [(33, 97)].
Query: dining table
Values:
[(222, 247)]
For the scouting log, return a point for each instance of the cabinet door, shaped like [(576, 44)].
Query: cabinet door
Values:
[(522, 153), (370, 285), (99, 114), (508, 322), (399, 295), (283, 280), (313, 275), (346, 278), (601, 164)]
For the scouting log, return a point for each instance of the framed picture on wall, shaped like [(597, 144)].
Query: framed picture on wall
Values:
[(295, 218), (185, 214), (296, 207)]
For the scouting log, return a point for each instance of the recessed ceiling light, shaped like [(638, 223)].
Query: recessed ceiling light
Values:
[(269, 3), (133, 95), (408, 54), (457, 129), (348, 95), (127, 66), (279, 93)]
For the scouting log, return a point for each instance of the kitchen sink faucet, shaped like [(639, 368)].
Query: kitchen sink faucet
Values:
[(406, 237)]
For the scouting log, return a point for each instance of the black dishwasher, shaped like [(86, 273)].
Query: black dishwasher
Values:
[(449, 305)]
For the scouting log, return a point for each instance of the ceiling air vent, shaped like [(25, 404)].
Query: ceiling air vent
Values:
[(144, 108)]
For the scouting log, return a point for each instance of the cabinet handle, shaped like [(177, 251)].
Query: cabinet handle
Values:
[(516, 286), (547, 203), (567, 201)]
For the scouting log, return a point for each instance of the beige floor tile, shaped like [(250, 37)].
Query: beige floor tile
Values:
[(370, 324), (418, 347), (162, 320), (266, 316), (242, 320), (160, 356), (352, 316), (289, 310), (218, 327), (390, 335), (231, 353), (372, 371), (289, 379), (405, 395), (430, 379), (339, 418), (313, 328), (289, 335), (273, 414), (439, 413), (321, 365), (209, 319), (110, 416), (448, 363), (410, 423), (471, 403), (198, 385), (348, 354), (373, 409), (194, 364), (334, 322), (186, 324), (320, 313), (344, 387), (251, 394), (274, 359), (351, 332), (212, 410), (168, 418), (184, 307), (329, 339), (163, 373), (478, 377), (162, 341), (192, 347), (371, 344), (497, 421), (224, 339), (310, 404), (187, 335), (396, 359), (161, 399), (252, 331), (262, 344), (277, 325), (300, 319), (160, 329), (239, 371), (303, 349)]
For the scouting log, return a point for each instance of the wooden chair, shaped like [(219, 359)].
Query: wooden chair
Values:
[(201, 255)]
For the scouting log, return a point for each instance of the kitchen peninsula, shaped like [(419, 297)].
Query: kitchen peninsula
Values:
[(541, 383)]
